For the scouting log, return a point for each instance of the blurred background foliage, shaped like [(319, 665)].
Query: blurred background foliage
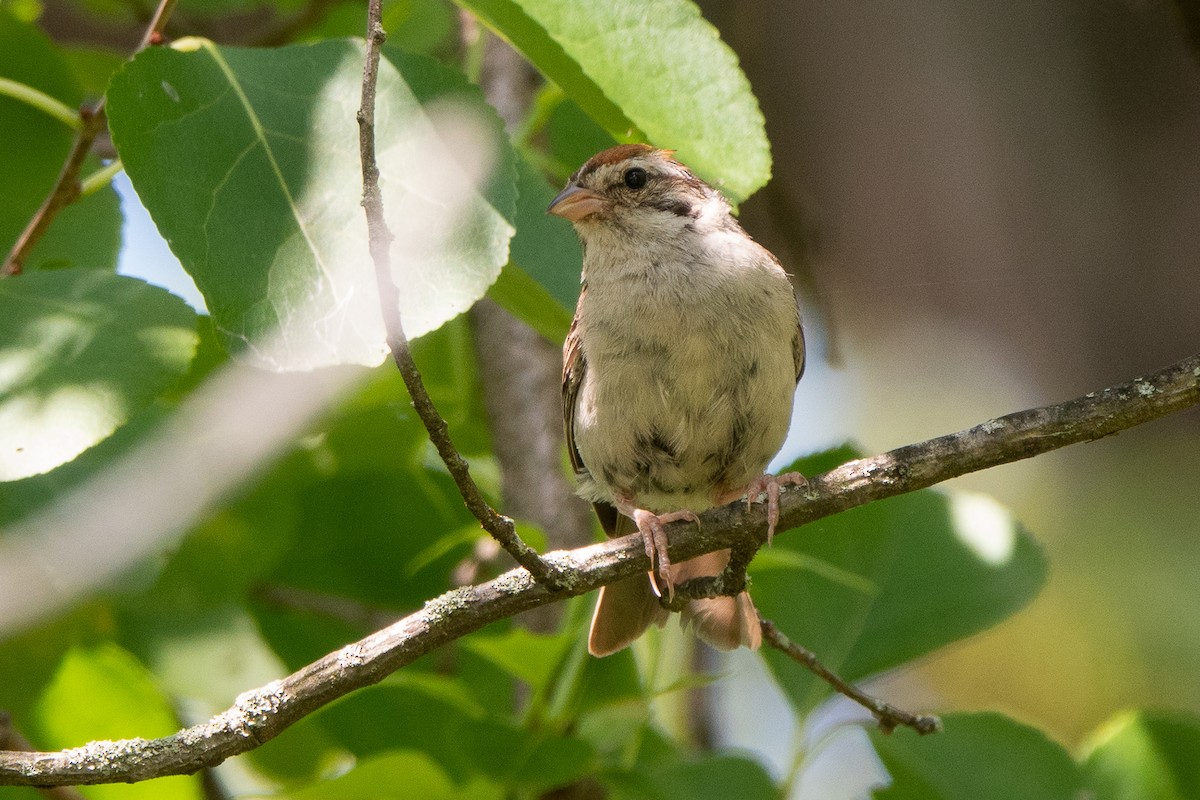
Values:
[(987, 209), (1000, 210)]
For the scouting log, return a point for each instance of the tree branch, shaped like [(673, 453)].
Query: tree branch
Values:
[(888, 716), (263, 713), (380, 238), (66, 188), (11, 739)]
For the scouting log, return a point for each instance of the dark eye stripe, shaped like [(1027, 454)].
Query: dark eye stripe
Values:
[(678, 207)]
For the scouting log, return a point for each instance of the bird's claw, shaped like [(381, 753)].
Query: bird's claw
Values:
[(654, 535), (770, 485)]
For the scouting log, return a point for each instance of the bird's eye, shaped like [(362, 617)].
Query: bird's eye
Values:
[(635, 177)]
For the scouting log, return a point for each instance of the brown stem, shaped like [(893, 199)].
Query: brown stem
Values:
[(380, 239), (889, 716), (263, 713), (66, 187)]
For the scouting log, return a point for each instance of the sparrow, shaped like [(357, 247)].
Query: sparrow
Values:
[(678, 377)]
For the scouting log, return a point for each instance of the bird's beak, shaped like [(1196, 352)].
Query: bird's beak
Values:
[(575, 203)]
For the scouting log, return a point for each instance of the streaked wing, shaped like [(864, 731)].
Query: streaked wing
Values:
[(798, 344), (574, 368)]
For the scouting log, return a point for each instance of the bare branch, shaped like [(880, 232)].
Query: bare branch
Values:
[(380, 239), (889, 716), (262, 714), (11, 739), (66, 188)]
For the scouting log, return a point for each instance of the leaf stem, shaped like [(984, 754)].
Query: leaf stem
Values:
[(51, 106), (100, 178), (380, 237)]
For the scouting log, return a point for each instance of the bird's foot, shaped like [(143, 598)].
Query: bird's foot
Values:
[(655, 537), (770, 485)]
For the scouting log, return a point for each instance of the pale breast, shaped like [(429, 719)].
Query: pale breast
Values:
[(688, 392)]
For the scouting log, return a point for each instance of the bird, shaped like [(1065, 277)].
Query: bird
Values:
[(679, 373)]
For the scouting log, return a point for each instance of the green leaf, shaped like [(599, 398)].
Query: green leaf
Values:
[(225, 556), (897, 579), (519, 24), (1145, 754), (528, 301), (574, 137), (716, 777), (22, 498), (977, 756), (448, 367), (266, 216), (531, 657), (102, 692), (544, 246), (405, 715), (453, 691), (653, 65), (86, 233), (540, 285), (355, 537), (30, 659), (609, 681), (418, 26), (402, 775), (206, 654), (551, 761), (81, 352), (529, 759), (93, 67)]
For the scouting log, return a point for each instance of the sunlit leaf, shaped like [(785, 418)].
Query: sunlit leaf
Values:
[(1145, 754), (654, 66), (399, 775), (80, 352), (266, 215), (528, 656), (102, 692)]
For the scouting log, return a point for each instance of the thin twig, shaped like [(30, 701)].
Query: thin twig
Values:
[(380, 239), (66, 188), (888, 715), (262, 714)]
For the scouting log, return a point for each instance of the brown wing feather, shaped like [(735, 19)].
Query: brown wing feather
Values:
[(798, 336), (574, 368), (798, 344)]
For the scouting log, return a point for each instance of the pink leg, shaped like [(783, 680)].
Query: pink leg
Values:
[(770, 484), (654, 536)]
